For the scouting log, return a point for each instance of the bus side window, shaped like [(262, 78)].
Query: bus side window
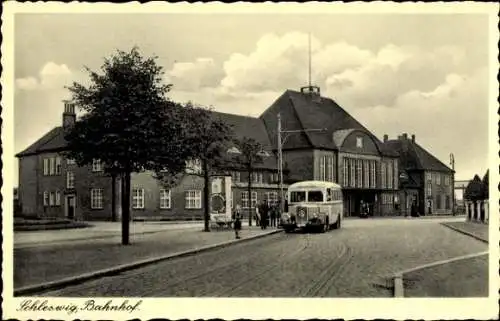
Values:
[(329, 195)]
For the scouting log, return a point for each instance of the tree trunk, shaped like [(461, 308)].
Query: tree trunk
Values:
[(250, 212), (126, 208), (113, 197), (206, 197)]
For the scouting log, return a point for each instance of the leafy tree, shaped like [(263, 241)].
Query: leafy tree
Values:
[(473, 191), (129, 124), (251, 155), (486, 185), (208, 139)]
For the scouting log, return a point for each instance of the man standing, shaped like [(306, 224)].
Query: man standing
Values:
[(273, 215), (263, 210)]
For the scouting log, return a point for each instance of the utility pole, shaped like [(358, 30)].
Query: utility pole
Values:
[(281, 141), (452, 163)]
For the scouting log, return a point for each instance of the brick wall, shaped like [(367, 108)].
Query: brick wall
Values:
[(440, 190), (28, 185)]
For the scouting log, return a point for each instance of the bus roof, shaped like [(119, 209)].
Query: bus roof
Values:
[(313, 184)]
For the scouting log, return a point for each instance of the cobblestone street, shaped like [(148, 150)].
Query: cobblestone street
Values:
[(352, 262)]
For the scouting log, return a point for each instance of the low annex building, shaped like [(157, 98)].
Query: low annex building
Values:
[(428, 183)]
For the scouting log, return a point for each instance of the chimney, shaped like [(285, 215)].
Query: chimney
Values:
[(386, 138), (405, 136), (413, 138), (69, 116)]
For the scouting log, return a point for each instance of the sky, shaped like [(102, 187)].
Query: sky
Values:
[(422, 74)]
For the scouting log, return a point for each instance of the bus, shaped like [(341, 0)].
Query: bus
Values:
[(313, 205)]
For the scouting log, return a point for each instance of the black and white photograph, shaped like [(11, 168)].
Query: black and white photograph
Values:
[(245, 160)]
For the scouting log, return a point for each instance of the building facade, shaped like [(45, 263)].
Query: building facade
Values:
[(321, 141), (326, 143), (429, 184), (51, 185)]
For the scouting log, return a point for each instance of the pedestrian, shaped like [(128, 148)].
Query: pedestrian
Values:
[(257, 215), (237, 225), (264, 215), (273, 215)]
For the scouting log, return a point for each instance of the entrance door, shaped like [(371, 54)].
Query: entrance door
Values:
[(70, 207)]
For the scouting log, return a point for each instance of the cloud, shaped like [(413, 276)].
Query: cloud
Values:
[(450, 118), (50, 76), (194, 75)]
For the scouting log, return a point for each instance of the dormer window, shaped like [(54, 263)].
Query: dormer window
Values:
[(359, 142)]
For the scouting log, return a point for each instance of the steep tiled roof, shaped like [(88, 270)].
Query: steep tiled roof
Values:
[(415, 157), (53, 140), (242, 126), (251, 127), (299, 111)]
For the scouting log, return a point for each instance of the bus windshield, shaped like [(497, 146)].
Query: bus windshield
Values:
[(297, 197), (315, 196)]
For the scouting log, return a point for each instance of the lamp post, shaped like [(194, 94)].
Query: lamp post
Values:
[(452, 163), (249, 167), (281, 142)]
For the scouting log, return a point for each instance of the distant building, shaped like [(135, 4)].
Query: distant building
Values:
[(429, 183)]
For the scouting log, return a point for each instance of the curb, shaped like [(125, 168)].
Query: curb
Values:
[(456, 229), (32, 289)]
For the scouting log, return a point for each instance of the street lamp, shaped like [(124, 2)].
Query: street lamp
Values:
[(281, 142), (249, 165), (452, 163)]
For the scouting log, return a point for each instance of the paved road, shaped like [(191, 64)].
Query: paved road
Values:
[(351, 262)]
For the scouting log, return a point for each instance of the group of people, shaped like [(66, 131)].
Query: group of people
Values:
[(265, 215)]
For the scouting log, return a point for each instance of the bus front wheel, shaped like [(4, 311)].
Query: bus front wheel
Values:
[(338, 224)]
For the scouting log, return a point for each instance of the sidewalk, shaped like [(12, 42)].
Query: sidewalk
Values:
[(97, 230), (52, 262), (476, 230)]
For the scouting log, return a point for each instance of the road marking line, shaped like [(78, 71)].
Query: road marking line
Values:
[(398, 277)]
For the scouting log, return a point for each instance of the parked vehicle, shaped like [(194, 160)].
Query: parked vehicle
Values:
[(313, 205)]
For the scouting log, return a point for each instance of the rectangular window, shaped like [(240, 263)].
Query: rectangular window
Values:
[(46, 166), (52, 169), (438, 178), (70, 161), (383, 174), (366, 173), (429, 188), (373, 173), (236, 176), (165, 198), (438, 201), (346, 171), (254, 199), (322, 174), (45, 198), (58, 165), (260, 178), (390, 178), (138, 198), (359, 142), (257, 177), (396, 174), (448, 202), (193, 166), (52, 199), (329, 168), (429, 176), (58, 198), (96, 165), (193, 199), (359, 173), (352, 165), (446, 180), (70, 179), (272, 198), (96, 198), (244, 199)]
